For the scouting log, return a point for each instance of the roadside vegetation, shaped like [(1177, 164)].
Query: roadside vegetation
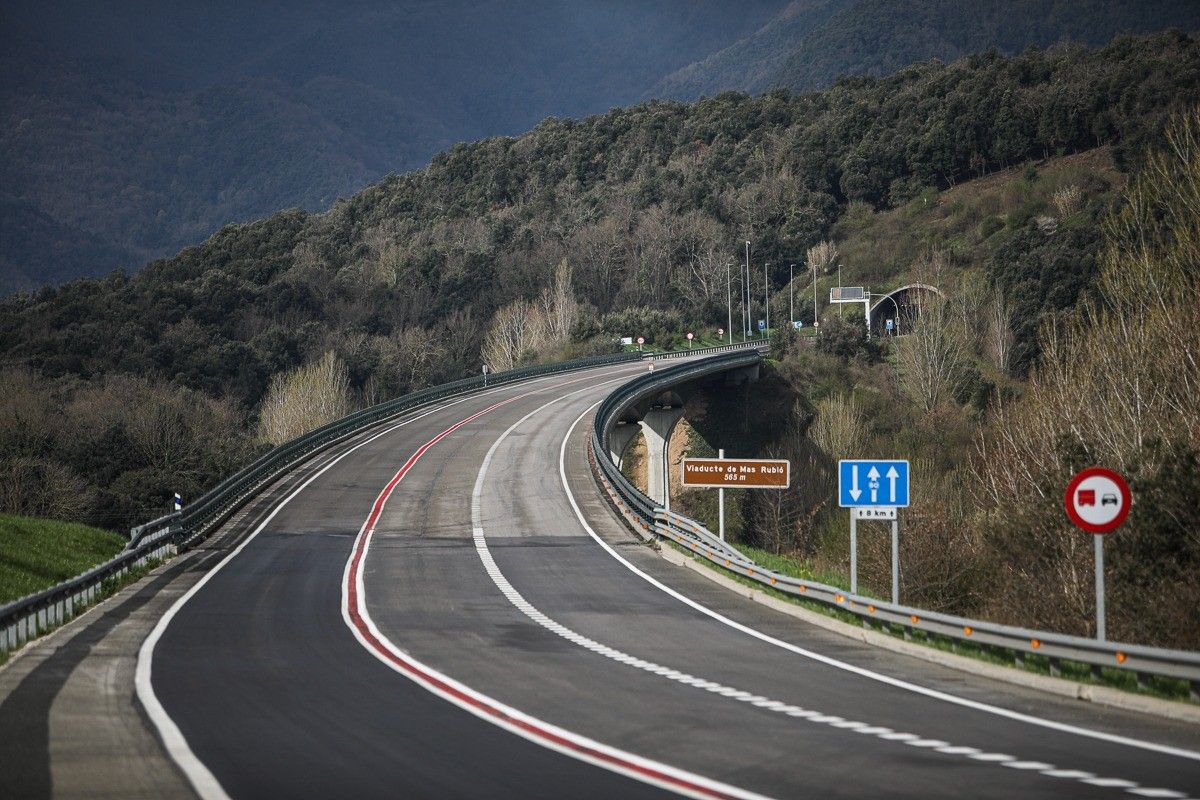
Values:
[(989, 177), (1115, 381), (38, 553)]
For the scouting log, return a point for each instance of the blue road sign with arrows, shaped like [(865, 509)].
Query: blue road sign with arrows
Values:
[(872, 483)]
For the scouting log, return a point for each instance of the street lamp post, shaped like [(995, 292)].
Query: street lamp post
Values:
[(814, 269), (745, 328), (791, 295), (729, 297)]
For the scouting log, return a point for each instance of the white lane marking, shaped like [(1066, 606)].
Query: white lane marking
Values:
[(203, 781), (529, 610), (354, 605), (887, 679), (520, 723)]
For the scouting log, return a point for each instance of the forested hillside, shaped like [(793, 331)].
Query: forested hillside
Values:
[(813, 42), (632, 215), (130, 130)]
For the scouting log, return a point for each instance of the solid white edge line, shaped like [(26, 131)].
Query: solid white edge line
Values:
[(200, 777), (477, 523), (509, 710), (1062, 727), (513, 713)]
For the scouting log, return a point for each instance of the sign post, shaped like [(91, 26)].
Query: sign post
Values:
[(689, 337), (873, 489), (735, 473), (1098, 501), (721, 503), (486, 370)]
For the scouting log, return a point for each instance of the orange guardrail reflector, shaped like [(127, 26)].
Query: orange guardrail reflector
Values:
[(840, 598), (772, 581), (727, 562), (1121, 657), (968, 630), (749, 571), (871, 608), (804, 588), (1035, 643), (915, 619)]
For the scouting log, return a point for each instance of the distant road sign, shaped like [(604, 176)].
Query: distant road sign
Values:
[(720, 331), (737, 473), (1098, 500), (890, 323), (798, 324), (641, 340), (872, 483), (689, 337), (847, 294), (762, 324)]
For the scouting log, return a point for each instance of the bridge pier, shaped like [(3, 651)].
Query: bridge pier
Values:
[(657, 425), (619, 438)]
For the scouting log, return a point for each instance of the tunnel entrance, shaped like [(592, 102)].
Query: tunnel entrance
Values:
[(902, 306)]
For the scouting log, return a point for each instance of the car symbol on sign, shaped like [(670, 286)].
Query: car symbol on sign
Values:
[(1109, 500)]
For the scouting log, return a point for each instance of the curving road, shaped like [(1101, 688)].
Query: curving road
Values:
[(447, 609)]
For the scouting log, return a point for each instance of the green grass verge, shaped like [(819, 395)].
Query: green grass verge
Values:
[(38, 553), (108, 587), (1154, 686)]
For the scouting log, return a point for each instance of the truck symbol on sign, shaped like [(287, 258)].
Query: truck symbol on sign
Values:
[(1087, 497)]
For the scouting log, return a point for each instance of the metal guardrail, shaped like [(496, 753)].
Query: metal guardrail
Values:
[(752, 344), (649, 520), (30, 616)]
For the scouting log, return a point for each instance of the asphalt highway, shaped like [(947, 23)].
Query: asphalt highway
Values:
[(449, 610)]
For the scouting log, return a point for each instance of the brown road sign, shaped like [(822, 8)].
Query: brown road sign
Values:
[(737, 473)]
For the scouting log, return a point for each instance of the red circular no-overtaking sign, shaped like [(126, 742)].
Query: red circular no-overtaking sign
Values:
[(1098, 500)]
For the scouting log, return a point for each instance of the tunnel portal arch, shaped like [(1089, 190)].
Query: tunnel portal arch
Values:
[(903, 305)]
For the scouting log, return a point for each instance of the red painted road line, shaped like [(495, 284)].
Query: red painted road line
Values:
[(435, 682)]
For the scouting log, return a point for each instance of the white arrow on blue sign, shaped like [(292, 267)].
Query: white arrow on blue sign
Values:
[(872, 483)]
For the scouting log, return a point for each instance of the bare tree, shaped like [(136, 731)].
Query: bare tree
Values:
[(998, 333), (416, 352), (823, 257), (839, 428), (303, 399), (39, 487), (930, 359), (656, 238), (559, 307), (516, 331), (1066, 199)]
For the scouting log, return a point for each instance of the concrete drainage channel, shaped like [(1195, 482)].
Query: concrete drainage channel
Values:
[(650, 521)]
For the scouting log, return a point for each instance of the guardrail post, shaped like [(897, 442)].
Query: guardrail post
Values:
[(1194, 690), (1055, 667)]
